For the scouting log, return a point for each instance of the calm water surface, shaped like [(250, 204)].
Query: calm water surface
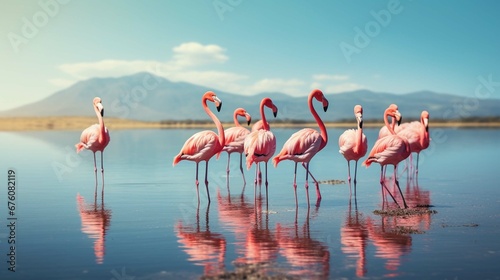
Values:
[(148, 225)]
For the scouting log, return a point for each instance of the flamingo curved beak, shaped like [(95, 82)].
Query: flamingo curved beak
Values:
[(249, 118), (399, 118), (218, 103), (325, 104), (100, 108), (359, 118), (275, 111), (426, 124)]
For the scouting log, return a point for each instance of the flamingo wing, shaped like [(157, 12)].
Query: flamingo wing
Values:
[(388, 150), (235, 137), (300, 147), (201, 146), (259, 146), (88, 137), (347, 140)]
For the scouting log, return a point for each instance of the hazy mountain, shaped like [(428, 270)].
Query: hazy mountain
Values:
[(143, 96)]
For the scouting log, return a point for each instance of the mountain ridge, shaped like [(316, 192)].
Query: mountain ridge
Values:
[(146, 97)]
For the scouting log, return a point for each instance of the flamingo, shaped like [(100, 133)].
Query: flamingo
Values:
[(353, 144), (417, 134), (95, 137), (305, 143), (234, 138), (204, 145), (260, 145), (258, 126), (389, 150)]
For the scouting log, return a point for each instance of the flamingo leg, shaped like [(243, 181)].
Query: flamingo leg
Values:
[(102, 170), (348, 171), (390, 194), (400, 192), (295, 185), (266, 178), (259, 173), (228, 159), (316, 183), (206, 181), (416, 169), (197, 183), (255, 184), (95, 170), (307, 184), (355, 175), (241, 169)]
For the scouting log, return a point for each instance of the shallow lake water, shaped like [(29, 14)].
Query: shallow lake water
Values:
[(147, 224)]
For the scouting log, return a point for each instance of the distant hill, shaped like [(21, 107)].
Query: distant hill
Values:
[(146, 97)]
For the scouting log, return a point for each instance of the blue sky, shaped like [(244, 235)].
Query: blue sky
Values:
[(247, 47)]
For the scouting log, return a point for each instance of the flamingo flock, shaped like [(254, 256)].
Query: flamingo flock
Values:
[(395, 143)]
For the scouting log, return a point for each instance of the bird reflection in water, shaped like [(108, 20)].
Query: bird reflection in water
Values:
[(204, 247), (255, 241), (308, 257), (354, 237), (391, 235), (96, 220)]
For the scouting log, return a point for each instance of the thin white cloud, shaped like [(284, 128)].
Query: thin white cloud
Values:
[(195, 54), (327, 77), (185, 66)]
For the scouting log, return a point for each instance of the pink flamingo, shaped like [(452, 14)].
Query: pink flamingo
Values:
[(305, 143), (234, 138), (353, 144), (203, 145), (95, 137), (260, 145), (258, 126), (417, 134), (389, 150)]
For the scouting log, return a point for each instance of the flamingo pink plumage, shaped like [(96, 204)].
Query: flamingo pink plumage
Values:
[(305, 143), (417, 134), (203, 145), (389, 150), (234, 138), (260, 145), (95, 137), (353, 144)]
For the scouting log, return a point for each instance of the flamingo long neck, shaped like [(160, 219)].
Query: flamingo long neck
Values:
[(359, 136), (102, 128), (265, 125), (235, 120), (220, 129), (322, 128), (390, 127), (424, 134)]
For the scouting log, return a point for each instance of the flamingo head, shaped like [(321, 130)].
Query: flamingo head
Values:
[(210, 96), (318, 94), (424, 119), (242, 112), (394, 112), (98, 105), (358, 113), (269, 103)]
